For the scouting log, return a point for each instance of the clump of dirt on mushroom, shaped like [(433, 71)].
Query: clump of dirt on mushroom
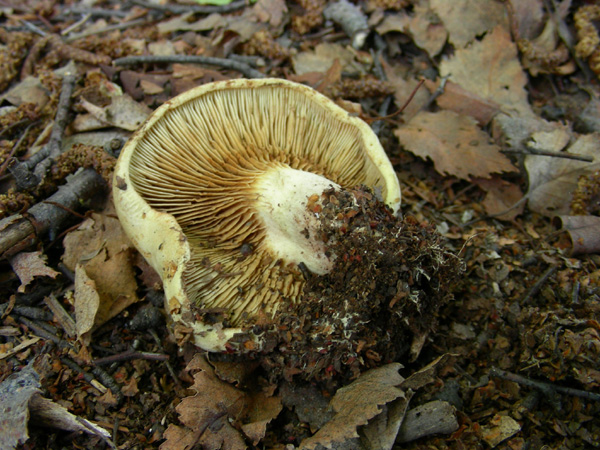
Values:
[(391, 276)]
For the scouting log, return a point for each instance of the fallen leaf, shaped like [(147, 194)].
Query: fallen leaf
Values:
[(552, 181), (309, 404), (260, 411), (245, 24), (404, 86), (490, 68), (356, 404), (87, 302), (554, 140), (100, 246), (322, 58), (426, 375), (208, 414), (123, 112), (182, 23), (466, 19), (501, 196), (380, 433), (441, 418), (161, 47), (150, 88), (29, 265), (451, 140), (584, 233), (455, 98), (270, 11), (499, 429), (29, 90), (530, 17), (427, 32)]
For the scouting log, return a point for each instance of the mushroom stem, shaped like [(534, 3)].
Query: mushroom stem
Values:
[(291, 227)]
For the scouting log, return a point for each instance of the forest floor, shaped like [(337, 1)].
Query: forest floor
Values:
[(489, 112)]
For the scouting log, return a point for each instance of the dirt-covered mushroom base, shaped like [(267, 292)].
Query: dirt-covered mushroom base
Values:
[(379, 302)]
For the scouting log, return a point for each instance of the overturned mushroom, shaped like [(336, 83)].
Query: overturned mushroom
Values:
[(215, 191)]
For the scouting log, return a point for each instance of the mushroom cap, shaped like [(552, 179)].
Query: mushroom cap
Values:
[(197, 184)]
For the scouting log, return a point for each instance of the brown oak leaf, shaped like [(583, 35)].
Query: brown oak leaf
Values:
[(455, 144)]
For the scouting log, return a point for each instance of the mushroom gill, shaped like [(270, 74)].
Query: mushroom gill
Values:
[(205, 162), (214, 192)]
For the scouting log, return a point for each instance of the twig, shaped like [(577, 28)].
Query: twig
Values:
[(243, 68), (107, 29), (39, 331), (351, 18), (107, 379), (94, 12), (69, 210), (21, 231), (533, 151), (167, 363), (196, 9), (8, 128), (44, 158), (31, 312), (131, 354), (86, 375), (538, 285), (545, 388), (16, 147), (439, 91), (31, 27), (61, 315), (406, 103)]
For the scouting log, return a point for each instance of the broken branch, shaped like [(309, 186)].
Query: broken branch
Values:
[(18, 232)]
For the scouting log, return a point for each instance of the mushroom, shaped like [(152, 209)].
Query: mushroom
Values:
[(214, 191)]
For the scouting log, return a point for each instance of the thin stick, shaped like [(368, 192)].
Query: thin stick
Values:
[(406, 103), (498, 214), (95, 12), (16, 147), (533, 151), (538, 285), (107, 29), (545, 388), (243, 68), (60, 123), (131, 354), (197, 9)]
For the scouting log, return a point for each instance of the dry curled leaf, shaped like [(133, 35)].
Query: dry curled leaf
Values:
[(207, 415), (584, 233), (356, 404), (552, 181), (455, 143), (490, 68), (466, 19), (103, 250), (455, 98), (29, 265), (423, 26), (501, 196)]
